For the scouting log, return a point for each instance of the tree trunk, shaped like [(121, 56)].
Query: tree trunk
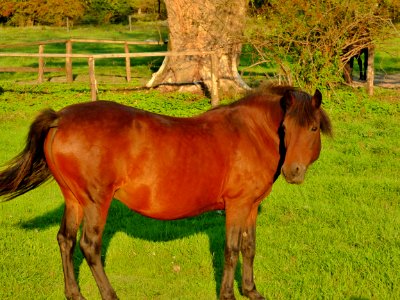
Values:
[(203, 25)]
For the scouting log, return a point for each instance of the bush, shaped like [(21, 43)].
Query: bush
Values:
[(307, 39)]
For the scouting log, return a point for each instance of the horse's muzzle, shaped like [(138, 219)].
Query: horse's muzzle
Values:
[(294, 173)]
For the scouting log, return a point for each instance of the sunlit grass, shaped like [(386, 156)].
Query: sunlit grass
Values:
[(336, 236)]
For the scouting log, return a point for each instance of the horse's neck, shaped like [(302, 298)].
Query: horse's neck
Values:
[(266, 113), (264, 118)]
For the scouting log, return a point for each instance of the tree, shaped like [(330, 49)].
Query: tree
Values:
[(107, 11), (148, 6), (203, 25), (50, 12)]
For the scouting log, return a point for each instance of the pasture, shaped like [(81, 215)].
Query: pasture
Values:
[(337, 236)]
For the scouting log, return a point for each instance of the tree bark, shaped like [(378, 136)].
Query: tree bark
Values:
[(203, 25)]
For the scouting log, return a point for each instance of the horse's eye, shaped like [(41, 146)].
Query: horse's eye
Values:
[(314, 128)]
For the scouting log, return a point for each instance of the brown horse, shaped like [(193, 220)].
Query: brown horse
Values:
[(168, 168)]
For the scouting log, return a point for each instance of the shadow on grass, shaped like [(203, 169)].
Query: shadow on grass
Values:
[(122, 219)]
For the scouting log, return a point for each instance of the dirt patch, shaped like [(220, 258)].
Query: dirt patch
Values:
[(389, 81)]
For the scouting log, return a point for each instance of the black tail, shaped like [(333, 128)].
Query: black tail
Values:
[(29, 169)]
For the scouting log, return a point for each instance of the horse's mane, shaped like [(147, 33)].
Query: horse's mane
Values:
[(302, 111)]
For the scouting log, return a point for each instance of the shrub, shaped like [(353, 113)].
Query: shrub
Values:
[(307, 40)]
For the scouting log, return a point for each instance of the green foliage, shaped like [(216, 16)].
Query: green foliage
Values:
[(34, 12), (307, 40), (54, 12), (107, 11)]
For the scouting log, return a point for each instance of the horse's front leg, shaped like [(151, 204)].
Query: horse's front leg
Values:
[(232, 247), (248, 249), (237, 214), (240, 236)]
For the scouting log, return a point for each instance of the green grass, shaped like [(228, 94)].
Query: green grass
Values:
[(387, 56), (334, 237)]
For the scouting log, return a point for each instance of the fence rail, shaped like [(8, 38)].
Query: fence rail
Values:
[(68, 56), (94, 41), (109, 55)]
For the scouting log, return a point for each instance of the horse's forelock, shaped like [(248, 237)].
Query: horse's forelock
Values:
[(301, 109), (303, 112)]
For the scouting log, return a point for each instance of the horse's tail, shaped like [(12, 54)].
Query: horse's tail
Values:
[(29, 169)]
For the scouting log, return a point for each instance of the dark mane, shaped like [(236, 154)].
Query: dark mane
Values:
[(302, 111), (261, 95), (325, 124)]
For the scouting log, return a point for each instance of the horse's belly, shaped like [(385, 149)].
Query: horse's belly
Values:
[(168, 204)]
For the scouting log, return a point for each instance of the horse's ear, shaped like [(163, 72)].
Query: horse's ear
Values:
[(287, 100), (317, 99)]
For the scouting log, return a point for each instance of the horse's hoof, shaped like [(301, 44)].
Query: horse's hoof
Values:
[(76, 297), (253, 295), (110, 296), (227, 296)]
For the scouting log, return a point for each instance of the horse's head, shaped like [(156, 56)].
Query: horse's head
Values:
[(302, 125)]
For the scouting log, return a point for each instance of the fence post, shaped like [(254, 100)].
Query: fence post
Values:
[(370, 70), (130, 22), (67, 23), (41, 64), (214, 80), (92, 79), (127, 63), (68, 61)]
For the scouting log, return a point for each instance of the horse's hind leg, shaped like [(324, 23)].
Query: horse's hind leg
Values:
[(67, 239), (95, 215)]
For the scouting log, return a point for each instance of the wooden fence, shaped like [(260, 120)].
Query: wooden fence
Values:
[(68, 56)]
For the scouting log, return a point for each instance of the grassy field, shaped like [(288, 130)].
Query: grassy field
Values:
[(140, 67), (337, 236), (387, 60)]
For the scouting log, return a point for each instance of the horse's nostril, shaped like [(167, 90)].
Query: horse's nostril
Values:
[(294, 173), (296, 170)]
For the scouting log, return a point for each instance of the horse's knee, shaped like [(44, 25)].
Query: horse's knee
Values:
[(248, 249), (66, 243), (248, 243), (90, 248), (61, 238), (231, 255)]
